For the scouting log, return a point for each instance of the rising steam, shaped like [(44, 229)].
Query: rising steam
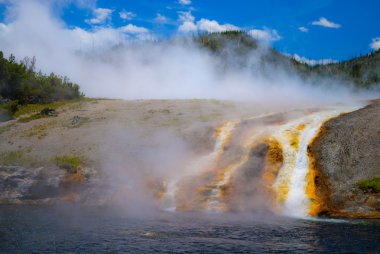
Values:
[(106, 62)]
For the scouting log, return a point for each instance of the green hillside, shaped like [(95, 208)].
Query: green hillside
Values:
[(234, 46)]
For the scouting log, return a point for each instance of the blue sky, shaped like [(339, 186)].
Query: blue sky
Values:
[(320, 29)]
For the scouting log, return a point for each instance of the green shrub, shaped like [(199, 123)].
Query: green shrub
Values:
[(70, 163), (369, 185), (20, 82), (11, 107)]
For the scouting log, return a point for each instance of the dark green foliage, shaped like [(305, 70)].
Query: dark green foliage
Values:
[(235, 48), (19, 82), (236, 40), (370, 185), (363, 71), (11, 107)]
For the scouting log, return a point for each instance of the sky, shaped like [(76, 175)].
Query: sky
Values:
[(109, 47), (311, 31)]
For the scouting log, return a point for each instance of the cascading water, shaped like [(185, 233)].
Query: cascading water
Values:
[(290, 183)]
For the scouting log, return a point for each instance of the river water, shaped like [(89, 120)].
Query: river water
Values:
[(39, 229)]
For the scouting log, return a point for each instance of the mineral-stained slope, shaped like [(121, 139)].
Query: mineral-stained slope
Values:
[(197, 156)]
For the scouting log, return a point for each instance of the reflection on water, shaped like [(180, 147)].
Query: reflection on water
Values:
[(78, 230)]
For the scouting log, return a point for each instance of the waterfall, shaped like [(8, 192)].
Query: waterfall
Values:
[(291, 183)]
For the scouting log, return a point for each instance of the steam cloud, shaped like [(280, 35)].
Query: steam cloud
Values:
[(108, 62), (126, 64)]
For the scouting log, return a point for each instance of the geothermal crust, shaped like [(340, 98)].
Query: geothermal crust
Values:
[(152, 140), (107, 136), (346, 151)]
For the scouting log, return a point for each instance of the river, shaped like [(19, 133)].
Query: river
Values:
[(43, 229)]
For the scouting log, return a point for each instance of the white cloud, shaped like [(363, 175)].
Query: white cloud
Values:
[(303, 29), (101, 38), (212, 26), (101, 15), (186, 16), (375, 45), (127, 15), (184, 2), (161, 19), (312, 62), (136, 32), (265, 35), (187, 26), (187, 20), (132, 29), (325, 23)]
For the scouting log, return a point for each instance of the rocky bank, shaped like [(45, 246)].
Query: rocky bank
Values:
[(346, 151)]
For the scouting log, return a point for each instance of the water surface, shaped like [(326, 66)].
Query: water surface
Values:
[(36, 229)]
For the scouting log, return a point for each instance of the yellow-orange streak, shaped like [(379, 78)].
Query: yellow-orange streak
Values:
[(223, 134), (223, 176), (301, 126), (70, 180), (294, 135), (274, 160), (282, 185), (311, 188), (288, 138), (77, 177), (196, 197), (155, 187), (315, 201), (222, 180)]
